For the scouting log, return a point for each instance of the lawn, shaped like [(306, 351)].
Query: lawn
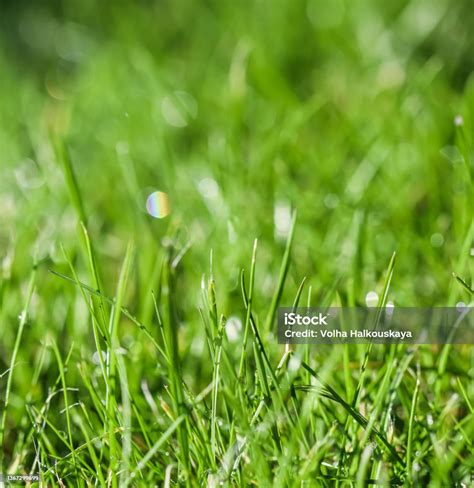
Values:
[(172, 172)]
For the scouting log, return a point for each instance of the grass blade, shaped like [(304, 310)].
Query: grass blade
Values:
[(22, 322), (285, 264)]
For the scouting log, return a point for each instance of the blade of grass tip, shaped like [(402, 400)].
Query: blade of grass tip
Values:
[(158, 444), (464, 284), (462, 142), (307, 346), (66, 400), (348, 381), (94, 272), (62, 155), (212, 306), (163, 350), (296, 301), (463, 263), (243, 354), (464, 394), (411, 421), (153, 283), (22, 322), (288, 350), (209, 335), (360, 222), (285, 264), (113, 361)]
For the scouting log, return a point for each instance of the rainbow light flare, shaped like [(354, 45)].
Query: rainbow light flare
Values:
[(158, 205)]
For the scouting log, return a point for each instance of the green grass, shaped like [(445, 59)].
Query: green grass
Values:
[(312, 152)]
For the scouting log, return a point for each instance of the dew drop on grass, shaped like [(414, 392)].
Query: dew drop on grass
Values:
[(331, 201), (437, 240), (28, 175), (208, 188), (157, 204), (452, 154), (179, 108), (282, 219), (458, 120), (294, 364), (172, 114), (232, 235), (233, 328), (371, 299), (96, 359), (197, 347), (471, 252)]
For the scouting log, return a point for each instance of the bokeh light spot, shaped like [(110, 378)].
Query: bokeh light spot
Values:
[(371, 299), (158, 205)]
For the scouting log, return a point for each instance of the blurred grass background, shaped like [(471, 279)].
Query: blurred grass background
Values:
[(343, 113), (358, 116)]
